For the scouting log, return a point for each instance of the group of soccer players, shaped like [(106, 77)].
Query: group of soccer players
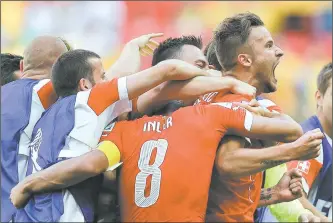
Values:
[(189, 139)]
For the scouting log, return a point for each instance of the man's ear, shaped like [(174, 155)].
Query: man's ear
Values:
[(84, 85), (21, 66), (244, 60), (319, 99)]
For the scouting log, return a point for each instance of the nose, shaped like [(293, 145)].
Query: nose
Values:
[(279, 52)]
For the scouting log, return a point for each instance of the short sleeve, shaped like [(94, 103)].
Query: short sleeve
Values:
[(226, 115), (95, 108)]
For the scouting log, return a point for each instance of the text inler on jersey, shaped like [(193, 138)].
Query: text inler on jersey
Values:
[(158, 126)]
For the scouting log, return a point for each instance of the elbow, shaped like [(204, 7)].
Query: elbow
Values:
[(168, 68), (295, 133), (225, 168)]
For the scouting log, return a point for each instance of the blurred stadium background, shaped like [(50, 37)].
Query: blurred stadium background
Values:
[(302, 29)]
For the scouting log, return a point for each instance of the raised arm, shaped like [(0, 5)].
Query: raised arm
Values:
[(66, 173), (129, 61), (167, 70), (191, 89), (231, 154)]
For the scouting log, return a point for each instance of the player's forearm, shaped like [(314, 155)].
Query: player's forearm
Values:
[(66, 173), (274, 129), (168, 70), (268, 196), (232, 164), (183, 90), (307, 204), (128, 62)]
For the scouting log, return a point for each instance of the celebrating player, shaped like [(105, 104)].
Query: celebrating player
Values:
[(170, 183), (246, 51), (73, 125), (22, 103)]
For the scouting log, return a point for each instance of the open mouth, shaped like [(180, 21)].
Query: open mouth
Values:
[(274, 67)]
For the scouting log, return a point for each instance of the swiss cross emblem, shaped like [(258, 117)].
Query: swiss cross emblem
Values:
[(304, 166)]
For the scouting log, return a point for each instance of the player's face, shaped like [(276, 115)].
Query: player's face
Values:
[(327, 104), (266, 56), (98, 70), (193, 55)]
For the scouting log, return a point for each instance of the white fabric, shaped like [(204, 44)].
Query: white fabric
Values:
[(84, 137)]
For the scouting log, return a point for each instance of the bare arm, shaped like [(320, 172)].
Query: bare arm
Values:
[(167, 70), (190, 90), (274, 129), (231, 154), (129, 61), (307, 204), (66, 173)]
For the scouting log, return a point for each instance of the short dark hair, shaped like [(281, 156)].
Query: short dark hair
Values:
[(169, 48), (69, 69), (210, 54), (232, 33), (9, 64), (323, 78)]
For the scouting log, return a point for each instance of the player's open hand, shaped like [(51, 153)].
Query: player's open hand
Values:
[(242, 88), (307, 146), (19, 197), (290, 186), (146, 43), (308, 218), (254, 107)]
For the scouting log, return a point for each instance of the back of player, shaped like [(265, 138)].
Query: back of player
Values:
[(168, 160), (22, 103), (234, 200)]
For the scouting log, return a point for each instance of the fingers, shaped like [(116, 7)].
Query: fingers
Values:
[(303, 218), (315, 134), (254, 102), (314, 219), (153, 43), (294, 173), (153, 35)]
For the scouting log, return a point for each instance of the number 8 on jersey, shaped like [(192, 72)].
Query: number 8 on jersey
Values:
[(145, 170)]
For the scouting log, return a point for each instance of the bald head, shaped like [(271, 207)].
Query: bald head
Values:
[(40, 55)]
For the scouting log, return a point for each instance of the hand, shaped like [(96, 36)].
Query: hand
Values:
[(254, 107), (308, 218), (244, 89), (19, 197), (307, 146), (146, 44), (289, 187)]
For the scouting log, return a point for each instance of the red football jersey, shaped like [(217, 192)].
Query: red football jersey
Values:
[(168, 161)]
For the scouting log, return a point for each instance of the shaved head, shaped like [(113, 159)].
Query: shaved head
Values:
[(40, 55)]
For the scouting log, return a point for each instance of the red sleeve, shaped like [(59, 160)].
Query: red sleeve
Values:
[(309, 169), (104, 94), (226, 115)]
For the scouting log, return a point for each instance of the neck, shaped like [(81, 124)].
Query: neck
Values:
[(246, 77), (36, 74), (325, 124)]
